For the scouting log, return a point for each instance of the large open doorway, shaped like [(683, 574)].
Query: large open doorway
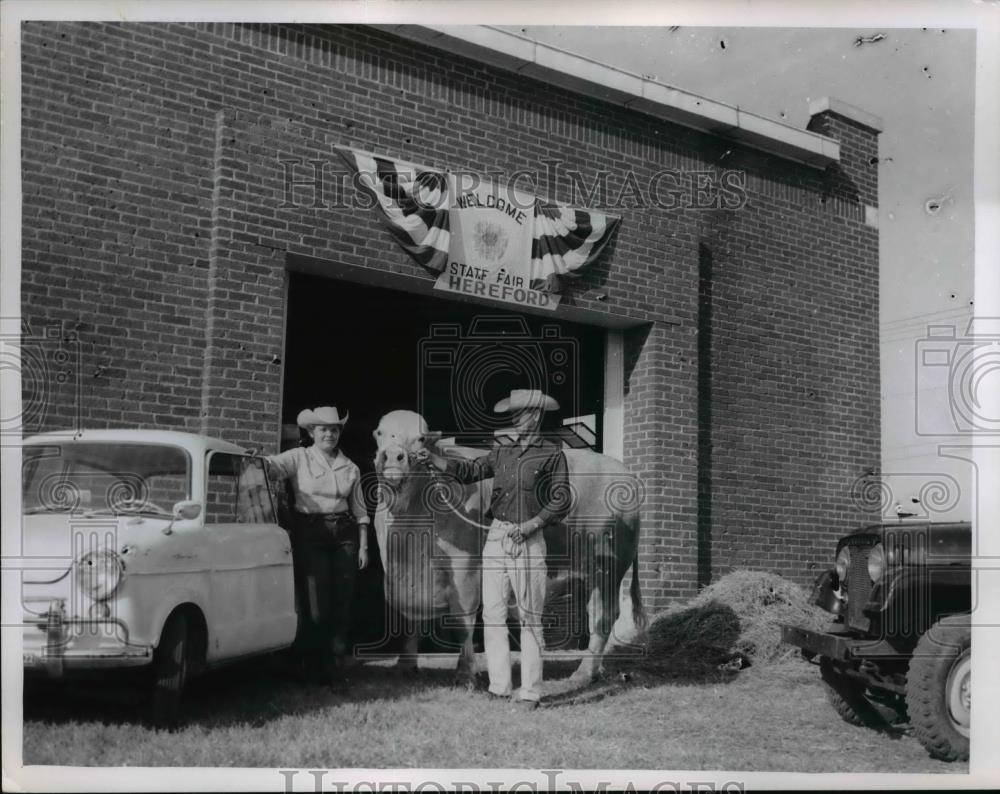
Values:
[(370, 350)]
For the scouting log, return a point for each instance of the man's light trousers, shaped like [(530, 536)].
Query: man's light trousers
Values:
[(517, 569)]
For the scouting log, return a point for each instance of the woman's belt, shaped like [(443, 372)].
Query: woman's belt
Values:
[(340, 515), (325, 528)]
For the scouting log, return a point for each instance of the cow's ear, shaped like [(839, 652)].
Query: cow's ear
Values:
[(432, 436)]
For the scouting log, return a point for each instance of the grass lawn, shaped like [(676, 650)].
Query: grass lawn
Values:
[(772, 718)]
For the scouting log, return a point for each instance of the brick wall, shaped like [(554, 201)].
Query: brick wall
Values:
[(157, 228)]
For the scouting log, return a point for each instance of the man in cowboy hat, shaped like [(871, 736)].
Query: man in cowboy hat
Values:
[(530, 491), (329, 536)]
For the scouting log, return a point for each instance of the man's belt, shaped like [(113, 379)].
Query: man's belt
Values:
[(495, 532)]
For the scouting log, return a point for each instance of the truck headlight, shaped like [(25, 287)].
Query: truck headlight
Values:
[(843, 563), (876, 562), (98, 574)]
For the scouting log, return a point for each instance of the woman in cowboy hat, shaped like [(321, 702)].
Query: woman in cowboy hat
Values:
[(329, 535), (530, 491)]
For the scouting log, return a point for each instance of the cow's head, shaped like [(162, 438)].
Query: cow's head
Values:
[(399, 434)]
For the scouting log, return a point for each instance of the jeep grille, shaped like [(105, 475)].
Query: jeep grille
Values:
[(859, 583)]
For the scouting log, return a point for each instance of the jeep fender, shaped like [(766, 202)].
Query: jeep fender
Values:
[(825, 592), (916, 597)]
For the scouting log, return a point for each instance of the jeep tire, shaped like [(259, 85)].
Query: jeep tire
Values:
[(847, 696), (938, 689), (170, 672)]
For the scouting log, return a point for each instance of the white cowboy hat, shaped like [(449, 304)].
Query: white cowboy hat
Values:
[(526, 398), (325, 415)]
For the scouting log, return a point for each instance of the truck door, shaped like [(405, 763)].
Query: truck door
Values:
[(252, 588)]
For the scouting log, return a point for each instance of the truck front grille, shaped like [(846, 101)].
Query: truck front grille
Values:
[(859, 583)]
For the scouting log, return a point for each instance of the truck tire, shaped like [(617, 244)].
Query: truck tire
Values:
[(170, 672), (847, 696), (938, 689)]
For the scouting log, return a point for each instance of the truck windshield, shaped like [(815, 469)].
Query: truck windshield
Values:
[(105, 478)]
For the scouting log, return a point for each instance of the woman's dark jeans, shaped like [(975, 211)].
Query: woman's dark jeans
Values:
[(325, 557)]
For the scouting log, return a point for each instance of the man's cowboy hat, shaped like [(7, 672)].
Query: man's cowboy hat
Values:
[(326, 415), (526, 398)]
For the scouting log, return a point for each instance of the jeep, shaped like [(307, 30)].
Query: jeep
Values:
[(900, 643)]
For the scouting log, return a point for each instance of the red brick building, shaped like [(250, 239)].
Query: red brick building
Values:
[(184, 229)]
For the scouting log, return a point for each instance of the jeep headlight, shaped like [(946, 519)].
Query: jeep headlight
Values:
[(843, 563), (906, 551), (98, 574), (876, 562), (898, 554)]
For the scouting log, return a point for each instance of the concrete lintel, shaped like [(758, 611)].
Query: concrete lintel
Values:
[(863, 117), (422, 284)]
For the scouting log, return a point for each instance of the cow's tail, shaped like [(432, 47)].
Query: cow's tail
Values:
[(638, 611)]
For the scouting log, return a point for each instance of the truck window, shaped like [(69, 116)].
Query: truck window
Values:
[(254, 501), (238, 491)]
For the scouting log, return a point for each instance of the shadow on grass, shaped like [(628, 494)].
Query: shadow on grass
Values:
[(690, 646), (627, 669), (248, 693)]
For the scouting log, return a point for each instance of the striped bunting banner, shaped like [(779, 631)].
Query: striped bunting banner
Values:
[(415, 204), (412, 201), (565, 240)]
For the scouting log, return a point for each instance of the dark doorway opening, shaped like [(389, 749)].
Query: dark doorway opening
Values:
[(373, 350)]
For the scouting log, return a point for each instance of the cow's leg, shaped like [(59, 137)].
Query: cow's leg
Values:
[(465, 673), (464, 604), (602, 611), (407, 660)]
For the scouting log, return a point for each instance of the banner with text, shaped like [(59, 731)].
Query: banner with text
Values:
[(490, 248), (481, 238)]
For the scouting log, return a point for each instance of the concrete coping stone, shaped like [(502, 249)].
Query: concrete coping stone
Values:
[(830, 105), (581, 74)]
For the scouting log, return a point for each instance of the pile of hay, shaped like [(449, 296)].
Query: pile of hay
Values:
[(736, 619)]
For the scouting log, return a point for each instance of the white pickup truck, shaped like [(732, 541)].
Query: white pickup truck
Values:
[(150, 548)]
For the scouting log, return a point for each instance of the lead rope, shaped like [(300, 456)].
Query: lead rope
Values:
[(521, 555), (412, 457)]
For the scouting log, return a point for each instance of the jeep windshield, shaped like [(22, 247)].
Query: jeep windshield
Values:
[(104, 478)]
